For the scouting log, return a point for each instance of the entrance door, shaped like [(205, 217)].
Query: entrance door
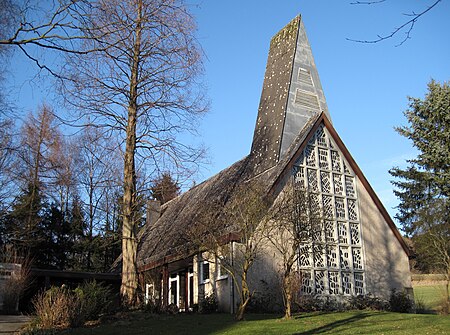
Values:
[(174, 292)]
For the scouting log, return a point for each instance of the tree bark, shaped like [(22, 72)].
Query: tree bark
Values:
[(129, 242)]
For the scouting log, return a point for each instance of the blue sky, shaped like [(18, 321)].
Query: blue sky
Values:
[(366, 85)]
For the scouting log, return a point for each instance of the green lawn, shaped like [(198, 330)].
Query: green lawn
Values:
[(358, 322), (430, 296)]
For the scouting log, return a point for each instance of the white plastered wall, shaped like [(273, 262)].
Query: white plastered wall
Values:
[(386, 263)]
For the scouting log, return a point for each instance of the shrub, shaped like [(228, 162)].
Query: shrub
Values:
[(307, 303), (58, 307), (208, 304), (172, 309), (399, 301), (368, 301), (95, 299), (153, 307)]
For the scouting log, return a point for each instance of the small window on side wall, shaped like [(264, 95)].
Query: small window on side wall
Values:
[(221, 271), (204, 271)]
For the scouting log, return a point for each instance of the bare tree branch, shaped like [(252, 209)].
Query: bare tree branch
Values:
[(366, 2), (407, 26)]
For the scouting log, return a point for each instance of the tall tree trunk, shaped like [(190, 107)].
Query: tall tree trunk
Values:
[(245, 293), (129, 242), (287, 295)]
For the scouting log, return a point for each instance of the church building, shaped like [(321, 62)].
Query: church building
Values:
[(294, 142)]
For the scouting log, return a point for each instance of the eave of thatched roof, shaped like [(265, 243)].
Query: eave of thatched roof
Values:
[(168, 240)]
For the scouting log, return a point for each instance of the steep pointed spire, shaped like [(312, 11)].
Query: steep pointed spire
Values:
[(291, 95)]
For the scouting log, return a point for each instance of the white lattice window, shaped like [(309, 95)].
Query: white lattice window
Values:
[(336, 161), (299, 176), (321, 137), (313, 184), (342, 232), (327, 202), (304, 258), (359, 283), (323, 158), (354, 233), (307, 283), (346, 169), (330, 231), (317, 234), (340, 208), (344, 258), (319, 256), (333, 280), (333, 259), (338, 187), (310, 156), (346, 283), (332, 256), (352, 212), (349, 186), (357, 258), (325, 182), (314, 204), (319, 282)]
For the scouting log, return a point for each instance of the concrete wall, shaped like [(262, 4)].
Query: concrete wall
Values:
[(386, 263)]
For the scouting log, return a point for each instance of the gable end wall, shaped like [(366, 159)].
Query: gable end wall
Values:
[(386, 263)]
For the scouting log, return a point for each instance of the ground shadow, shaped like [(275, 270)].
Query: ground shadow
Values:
[(334, 325)]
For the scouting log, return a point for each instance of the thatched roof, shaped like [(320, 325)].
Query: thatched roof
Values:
[(167, 239)]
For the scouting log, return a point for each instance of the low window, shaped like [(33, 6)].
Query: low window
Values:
[(204, 271), (221, 271)]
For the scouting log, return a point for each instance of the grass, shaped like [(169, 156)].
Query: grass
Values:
[(431, 296), (356, 322)]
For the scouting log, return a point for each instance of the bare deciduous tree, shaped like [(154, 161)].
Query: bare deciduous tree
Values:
[(6, 159), (243, 215), (97, 171), (295, 227), (141, 85)]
